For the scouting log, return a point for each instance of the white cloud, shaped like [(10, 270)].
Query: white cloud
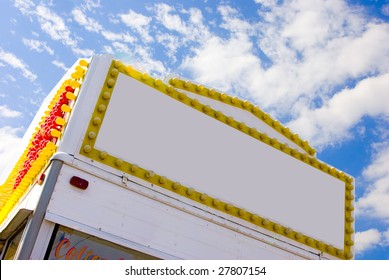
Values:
[(223, 64), (25, 6), (88, 23), (374, 202), (139, 23), (385, 10), (9, 143), (6, 112), (17, 63), (93, 26), (60, 64), (37, 45), (192, 28), (366, 240), (90, 5), (111, 36), (233, 22), (52, 24), (332, 122)]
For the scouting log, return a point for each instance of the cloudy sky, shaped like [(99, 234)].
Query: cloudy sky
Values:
[(320, 66)]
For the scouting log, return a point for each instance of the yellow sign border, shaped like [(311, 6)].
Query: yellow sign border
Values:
[(88, 150)]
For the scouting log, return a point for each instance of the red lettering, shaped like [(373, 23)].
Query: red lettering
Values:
[(71, 254), (64, 242)]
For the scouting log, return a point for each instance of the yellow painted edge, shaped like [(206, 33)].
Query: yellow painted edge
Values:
[(245, 105), (88, 150), (10, 196)]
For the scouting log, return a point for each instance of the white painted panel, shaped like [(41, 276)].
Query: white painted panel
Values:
[(146, 127), (242, 115), (112, 210)]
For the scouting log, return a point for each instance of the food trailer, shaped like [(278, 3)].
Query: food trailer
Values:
[(120, 165)]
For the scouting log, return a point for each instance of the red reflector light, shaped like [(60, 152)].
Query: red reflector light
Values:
[(79, 182)]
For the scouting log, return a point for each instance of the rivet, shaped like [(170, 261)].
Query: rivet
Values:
[(330, 249), (211, 92), (340, 253), (255, 109), (310, 241), (349, 255), (242, 212), (349, 197), (263, 136), (117, 64), (206, 108), (285, 130), (118, 162), (110, 82), (96, 120), (230, 120), (173, 81), (181, 96), (134, 168), (144, 76), (235, 100), (169, 89), (218, 114), (349, 187), (287, 231), (350, 230), (157, 83), (320, 245), (149, 174), (129, 69), (265, 116), (106, 95), (275, 123), (114, 72), (87, 149), (199, 88), (103, 155), (241, 125), (101, 108), (298, 236), (265, 222), (277, 227), (176, 186), (228, 207), (162, 180), (92, 135), (194, 102), (254, 218), (252, 131), (246, 104), (350, 219), (190, 191), (295, 136), (349, 179), (216, 202), (187, 84), (349, 243), (223, 97), (203, 197), (273, 141), (350, 208)]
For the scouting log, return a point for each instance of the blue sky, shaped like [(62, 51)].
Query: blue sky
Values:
[(320, 67)]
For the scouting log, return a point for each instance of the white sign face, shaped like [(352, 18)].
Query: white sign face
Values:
[(155, 131)]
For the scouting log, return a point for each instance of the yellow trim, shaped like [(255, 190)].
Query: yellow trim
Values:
[(150, 176), (12, 191), (245, 105)]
